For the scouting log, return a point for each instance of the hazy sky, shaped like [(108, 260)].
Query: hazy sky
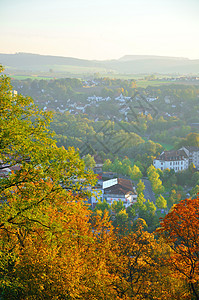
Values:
[(100, 29)]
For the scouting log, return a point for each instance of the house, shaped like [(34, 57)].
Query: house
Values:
[(151, 99), (114, 190), (177, 160), (119, 189)]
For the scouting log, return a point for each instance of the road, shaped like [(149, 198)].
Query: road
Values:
[(148, 193)]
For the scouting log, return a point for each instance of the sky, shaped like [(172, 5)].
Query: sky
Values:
[(100, 29)]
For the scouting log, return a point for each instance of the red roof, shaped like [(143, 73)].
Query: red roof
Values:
[(123, 187)]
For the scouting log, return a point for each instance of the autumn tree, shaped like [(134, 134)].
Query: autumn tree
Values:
[(136, 173), (41, 173), (140, 187), (134, 261), (107, 165), (89, 161), (117, 206), (180, 229), (154, 177), (161, 202), (101, 207)]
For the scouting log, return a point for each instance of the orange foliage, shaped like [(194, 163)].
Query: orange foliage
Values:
[(180, 228)]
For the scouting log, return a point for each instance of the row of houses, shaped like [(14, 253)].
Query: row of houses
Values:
[(78, 107), (115, 189), (178, 160)]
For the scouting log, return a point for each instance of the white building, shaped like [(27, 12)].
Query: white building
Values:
[(114, 190), (176, 160), (119, 189)]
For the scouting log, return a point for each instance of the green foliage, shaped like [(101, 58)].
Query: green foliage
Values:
[(117, 206), (89, 161), (153, 176), (169, 177), (123, 167), (131, 211), (107, 166), (102, 206), (140, 187), (79, 129), (120, 219), (44, 179), (161, 202), (192, 139), (136, 173), (140, 198), (151, 208), (195, 178), (194, 191)]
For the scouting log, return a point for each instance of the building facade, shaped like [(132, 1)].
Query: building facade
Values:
[(193, 154), (177, 160)]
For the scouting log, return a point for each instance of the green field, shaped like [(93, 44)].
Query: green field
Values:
[(69, 69), (23, 77), (146, 83)]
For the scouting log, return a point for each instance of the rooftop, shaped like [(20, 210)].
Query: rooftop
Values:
[(172, 155), (119, 186)]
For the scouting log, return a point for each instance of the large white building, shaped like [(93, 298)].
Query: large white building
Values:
[(177, 160)]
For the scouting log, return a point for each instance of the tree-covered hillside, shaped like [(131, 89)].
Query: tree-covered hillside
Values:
[(53, 246)]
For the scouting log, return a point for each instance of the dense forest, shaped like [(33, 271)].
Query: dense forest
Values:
[(52, 245)]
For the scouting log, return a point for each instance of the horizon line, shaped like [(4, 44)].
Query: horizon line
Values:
[(126, 55)]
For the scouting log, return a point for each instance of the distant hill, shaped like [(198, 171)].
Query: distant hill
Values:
[(156, 65), (28, 59), (129, 64)]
